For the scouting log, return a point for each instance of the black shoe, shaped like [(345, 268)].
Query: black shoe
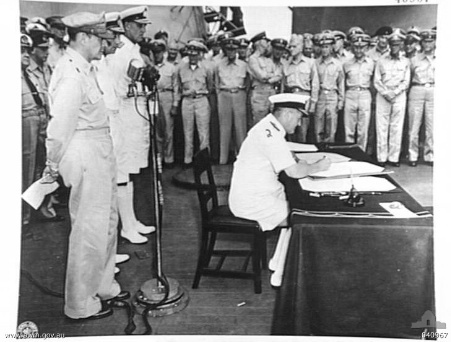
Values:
[(169, 165), (105, 311), (395, 164), (413, 163), (382, 164), (123, 295), (430, 163), (187, 166)]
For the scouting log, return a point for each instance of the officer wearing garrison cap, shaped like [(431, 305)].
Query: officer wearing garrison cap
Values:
[(195, 85), (243, 49), (358, 77), (382, 48), (169, 96), (263, 77), (231, 77), (331, 93), (79, 148), (300, 76), (391, 80), (132, 155), (421, 98), (255, 190)]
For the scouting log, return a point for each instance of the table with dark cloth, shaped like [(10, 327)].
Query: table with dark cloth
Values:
[(370, 275)]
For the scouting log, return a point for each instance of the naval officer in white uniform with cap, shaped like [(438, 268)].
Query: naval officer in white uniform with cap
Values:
[(256, 193)]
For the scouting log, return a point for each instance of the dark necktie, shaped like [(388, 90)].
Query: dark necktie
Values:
[(33, 89)]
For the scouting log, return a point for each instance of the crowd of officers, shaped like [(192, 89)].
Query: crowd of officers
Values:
[(84, 117)]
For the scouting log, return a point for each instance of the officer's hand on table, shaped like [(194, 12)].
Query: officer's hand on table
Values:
[(324, 163), (50, 174), (174, 111)]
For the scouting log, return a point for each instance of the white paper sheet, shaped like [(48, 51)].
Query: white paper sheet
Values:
[(35, 194), (344, 184), (397, 209), (298, 147), (315, 156), (351, 168)]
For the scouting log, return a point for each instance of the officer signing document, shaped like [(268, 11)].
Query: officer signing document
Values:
[(256, 193)]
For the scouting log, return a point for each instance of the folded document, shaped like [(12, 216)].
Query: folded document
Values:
[(35, 194)]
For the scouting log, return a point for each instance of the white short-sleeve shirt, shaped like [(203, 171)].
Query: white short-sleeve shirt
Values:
[(255, 191)]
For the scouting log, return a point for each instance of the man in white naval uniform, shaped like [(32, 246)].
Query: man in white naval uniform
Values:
[(79, 148), (255, 192), (132, 122)]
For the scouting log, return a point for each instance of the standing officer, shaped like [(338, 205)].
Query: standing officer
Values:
[(57, 44), (33, 117), (173, 53), (195, 84), (133, 122), (382, 48), (243, 49), (391, 80), (421, 98), (339, 50), (79, 148), (168, 96), (358, 76), (231, 77), (300, 76), (279, 47), (331, 93), (255, 190), (263, 77)]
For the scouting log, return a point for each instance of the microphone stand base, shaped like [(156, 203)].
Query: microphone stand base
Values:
[(152, 293)]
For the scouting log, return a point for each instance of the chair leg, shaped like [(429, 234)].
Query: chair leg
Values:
[(256, 263), (264, 254), (210, 249), (201, 259)]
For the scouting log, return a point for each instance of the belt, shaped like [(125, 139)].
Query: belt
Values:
[(26, 113), (357, 88), (195, 96), (97, 132), (296, 89), (427, 85), (231, 90), (263, 87), (165, 89), (327, 91)]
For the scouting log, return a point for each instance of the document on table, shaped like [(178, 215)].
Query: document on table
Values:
[(311, 158), (397, 209), (344, 184), (298, 147), (349, 169), (35, 194)]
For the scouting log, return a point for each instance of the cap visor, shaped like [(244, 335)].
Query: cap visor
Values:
[(142, 21)]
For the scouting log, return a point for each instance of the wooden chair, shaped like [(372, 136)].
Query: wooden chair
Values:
[(219, 219)]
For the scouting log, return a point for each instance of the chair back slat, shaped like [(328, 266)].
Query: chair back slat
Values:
[(205, 183)]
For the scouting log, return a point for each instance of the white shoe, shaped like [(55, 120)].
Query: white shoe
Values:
[(122, 258), (133, 237), (142, 229), (116, 270)]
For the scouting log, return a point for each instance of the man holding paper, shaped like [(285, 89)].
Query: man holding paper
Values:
[(256, 193)]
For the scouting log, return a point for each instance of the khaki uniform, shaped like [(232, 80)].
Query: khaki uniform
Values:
[(78, 141), (301, 77), (391, 74), (195, 84), (421, 104), (357, 107), (330, 99), (261, 68), (168, 95), (230, 83)]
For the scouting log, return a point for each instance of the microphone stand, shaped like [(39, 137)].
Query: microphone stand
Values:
[(158, 296)]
